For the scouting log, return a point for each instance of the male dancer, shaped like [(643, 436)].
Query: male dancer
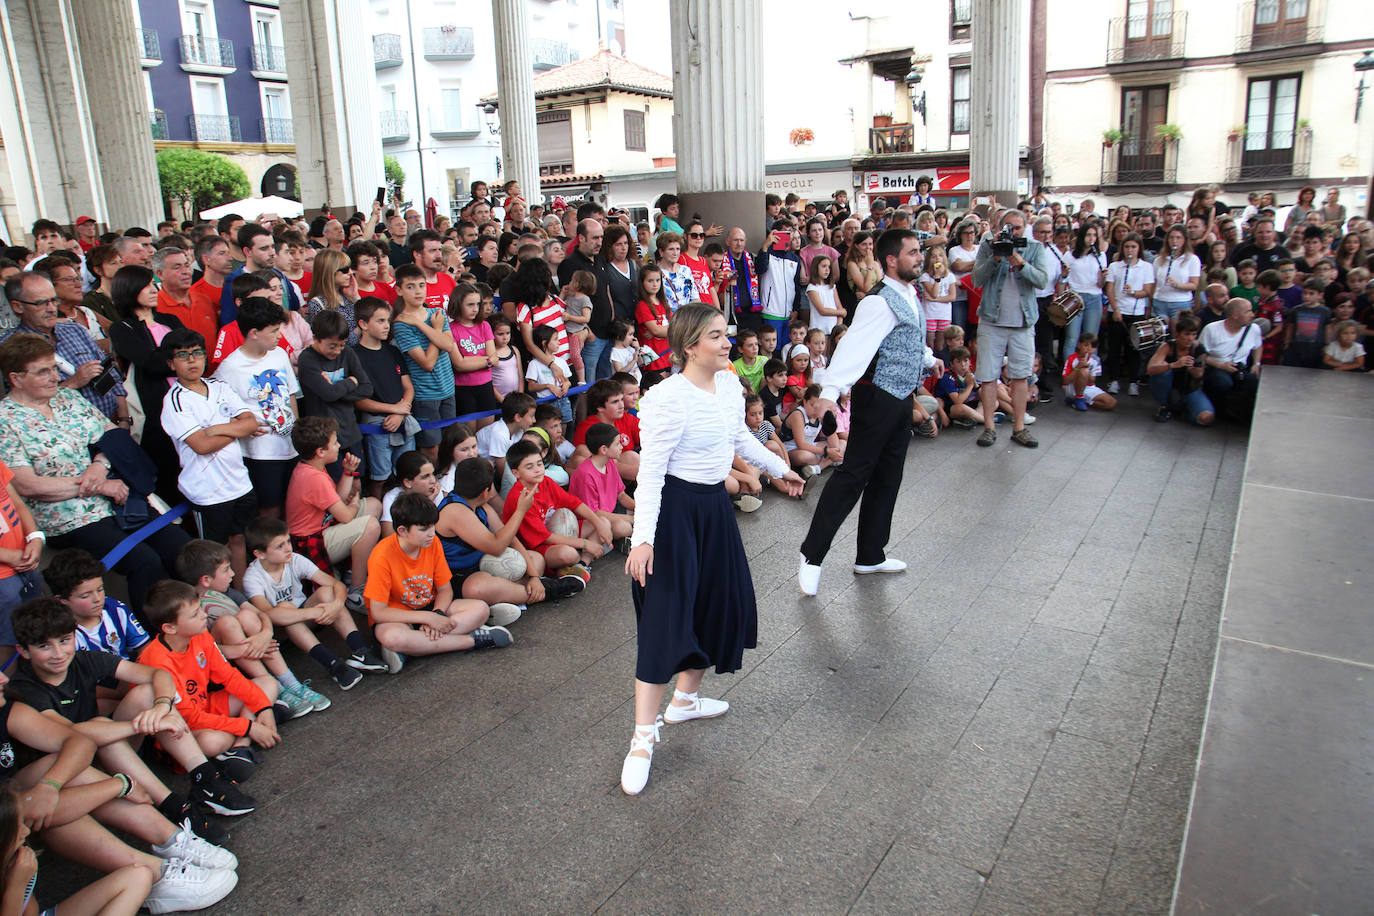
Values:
[(882, 358)]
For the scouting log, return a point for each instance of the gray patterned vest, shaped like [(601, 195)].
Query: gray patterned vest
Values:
[(900, 361)]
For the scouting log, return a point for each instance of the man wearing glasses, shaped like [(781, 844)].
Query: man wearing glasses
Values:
[(34, 300)]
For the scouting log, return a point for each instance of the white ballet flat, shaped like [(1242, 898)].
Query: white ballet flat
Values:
[(634, 773), (698, 707)]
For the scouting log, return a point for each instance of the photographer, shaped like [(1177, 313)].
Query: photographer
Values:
[(1010, 269), (1233, 346)]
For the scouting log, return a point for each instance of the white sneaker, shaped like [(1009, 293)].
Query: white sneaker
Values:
[(808, 471), (185, 846), (1133, 390), (184, 886), (698, 707), (809, 578), (634, 772), (1028, 419), (887, 566), (502, 614), (1114, 388)]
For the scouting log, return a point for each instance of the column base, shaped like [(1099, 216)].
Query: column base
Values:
[(729, 209)]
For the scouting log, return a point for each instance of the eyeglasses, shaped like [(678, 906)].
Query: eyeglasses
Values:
[(45, 372), (344, 270), (41, 303), (696, 235), (194, 353)]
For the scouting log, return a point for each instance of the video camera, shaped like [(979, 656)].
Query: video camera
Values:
[(1007, 242)]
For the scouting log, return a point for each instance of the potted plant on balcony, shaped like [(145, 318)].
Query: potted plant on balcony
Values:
[(1235, 133), (1112, 136), (1169, 133), (801, 136)]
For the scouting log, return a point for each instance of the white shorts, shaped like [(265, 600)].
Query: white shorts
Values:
[(1089, 394)]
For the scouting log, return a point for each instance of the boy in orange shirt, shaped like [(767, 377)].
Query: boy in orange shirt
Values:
[(409, 596)]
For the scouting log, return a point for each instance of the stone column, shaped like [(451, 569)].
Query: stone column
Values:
[(123, 136), (718, 111), (515, 95), (997, 69), (338, 139)]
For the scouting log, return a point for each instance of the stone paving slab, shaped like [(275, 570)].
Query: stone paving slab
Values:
[(1010, 726)]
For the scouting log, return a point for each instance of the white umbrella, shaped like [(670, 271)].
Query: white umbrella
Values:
[(253, 207)]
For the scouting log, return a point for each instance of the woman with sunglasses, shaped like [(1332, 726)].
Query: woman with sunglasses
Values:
[(333, 286), (696, 263)]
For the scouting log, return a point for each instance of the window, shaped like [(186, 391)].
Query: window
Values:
[(198, 18), (960, 20), (554, 130), (959, 95), (276, 115), (1271, 120), (1279, 23), (450, 108), (634, 131), (265, 30), (1141, 152)]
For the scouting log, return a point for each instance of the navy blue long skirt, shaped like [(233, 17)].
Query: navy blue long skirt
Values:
[(697, 609)]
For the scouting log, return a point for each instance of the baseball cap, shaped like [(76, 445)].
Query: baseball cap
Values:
[(84, 219)]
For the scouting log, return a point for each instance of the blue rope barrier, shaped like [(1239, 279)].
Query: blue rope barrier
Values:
[(121, 550), (369, 428)]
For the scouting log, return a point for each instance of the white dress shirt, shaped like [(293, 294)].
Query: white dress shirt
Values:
[(694, 435), (873, 321)]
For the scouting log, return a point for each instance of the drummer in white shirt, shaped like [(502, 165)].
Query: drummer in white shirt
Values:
[(1130, 284)]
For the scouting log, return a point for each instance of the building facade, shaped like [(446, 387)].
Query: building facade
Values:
[(1249, 94), (215, 76)]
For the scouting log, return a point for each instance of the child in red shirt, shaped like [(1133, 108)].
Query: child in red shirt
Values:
[(558, 550), (1270, 307)]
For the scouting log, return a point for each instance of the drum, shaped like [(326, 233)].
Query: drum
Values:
[(1149, 333), (1065, 307)]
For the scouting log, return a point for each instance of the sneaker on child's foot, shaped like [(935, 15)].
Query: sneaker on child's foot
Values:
[(562, 587), (303, 694), (184, 886), (237, 763), (354, 602), (1079, 403), (503, 614), (623, 544), (366, 660), (206, 829), (578, 570), (187, 847), (1133, 389), (222, 796), (491, 638), (395, 661), (1114, 388), (344, 675), (281, 710)]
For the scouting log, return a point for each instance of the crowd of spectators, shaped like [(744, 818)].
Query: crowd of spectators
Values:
[(431, 429)]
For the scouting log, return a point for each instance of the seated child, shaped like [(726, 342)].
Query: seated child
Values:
[(244, 633), (1080, 370), (517, 415), (559, 551), (958, 391), (547, 417), (330, 522), (225, 711), (540, 378), (809, 449), (766, 433), (21, 547), (773, 390), (750, 364), (768, 342), (414, 474), (952, 336), (597, 483), (606, 404), (629, 392), (410, 596), (1345, 353), (103, 624), (469, 533), (275, 584), (459, 443)]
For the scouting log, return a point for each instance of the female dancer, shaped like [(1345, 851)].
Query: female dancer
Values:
[(697, 608)]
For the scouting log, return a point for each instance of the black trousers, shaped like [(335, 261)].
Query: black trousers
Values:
[(148, 563), (1123, 360), (1045, 334), (879, 432)]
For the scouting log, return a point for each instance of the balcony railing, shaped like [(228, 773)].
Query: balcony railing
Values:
[(1260, 29), (1137, 162), (215, 128), (149, 45), (449, 43), (278, 130), (1271, 155), (269, 58), (899, 138), (1143, 38), (159, 126), (454, 123), (549, 54), (395, 126), (198, 51), (386, 50)]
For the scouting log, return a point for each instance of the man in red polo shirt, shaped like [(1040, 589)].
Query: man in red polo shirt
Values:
[(427, 248), (606, 404), (173, 269)]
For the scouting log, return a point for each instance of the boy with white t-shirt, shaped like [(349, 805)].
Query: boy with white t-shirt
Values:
[(543, 377), (260, 373), (205, 419), (494, 439)]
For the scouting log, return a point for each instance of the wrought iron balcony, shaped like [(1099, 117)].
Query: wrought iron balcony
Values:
[(449, 43), (386, 50), (159, 126), (1140, 162), (269, 59), (278, 130), (1144, 38), (1270, 155), (149, 45), (1260, 28), (899, 138), (197, 51), (215, 128), (395, 126), (549, 54)]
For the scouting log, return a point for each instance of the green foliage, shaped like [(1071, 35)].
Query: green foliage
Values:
[(198, 180), (395, 176)]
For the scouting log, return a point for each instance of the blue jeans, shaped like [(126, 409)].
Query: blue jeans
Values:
[(1088, 321), (1167, 310), (596, 358), (14, 591), (1195, 403), (381, 454)]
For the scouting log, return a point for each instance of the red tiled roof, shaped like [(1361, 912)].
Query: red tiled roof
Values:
[(604, 70)]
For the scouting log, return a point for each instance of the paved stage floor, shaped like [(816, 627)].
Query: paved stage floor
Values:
[(1010, 727)]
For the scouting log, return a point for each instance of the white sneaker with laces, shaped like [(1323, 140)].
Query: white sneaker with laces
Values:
[(695, 707), (184, 886), (634, 773), (887, 566), (809, 578), (1133, 390), (1028, 419), (1114, 388), (185, 846), (502, 614)]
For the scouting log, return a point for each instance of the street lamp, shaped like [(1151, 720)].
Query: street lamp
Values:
[(489, 110), (1362, 65), (918, 101)]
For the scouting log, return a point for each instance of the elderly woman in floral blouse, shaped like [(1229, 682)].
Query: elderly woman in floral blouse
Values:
[(48, 437)]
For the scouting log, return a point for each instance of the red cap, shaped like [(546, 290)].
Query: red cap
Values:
[(84, 219)]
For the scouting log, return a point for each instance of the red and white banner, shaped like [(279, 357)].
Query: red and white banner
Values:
[(946, 181)]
